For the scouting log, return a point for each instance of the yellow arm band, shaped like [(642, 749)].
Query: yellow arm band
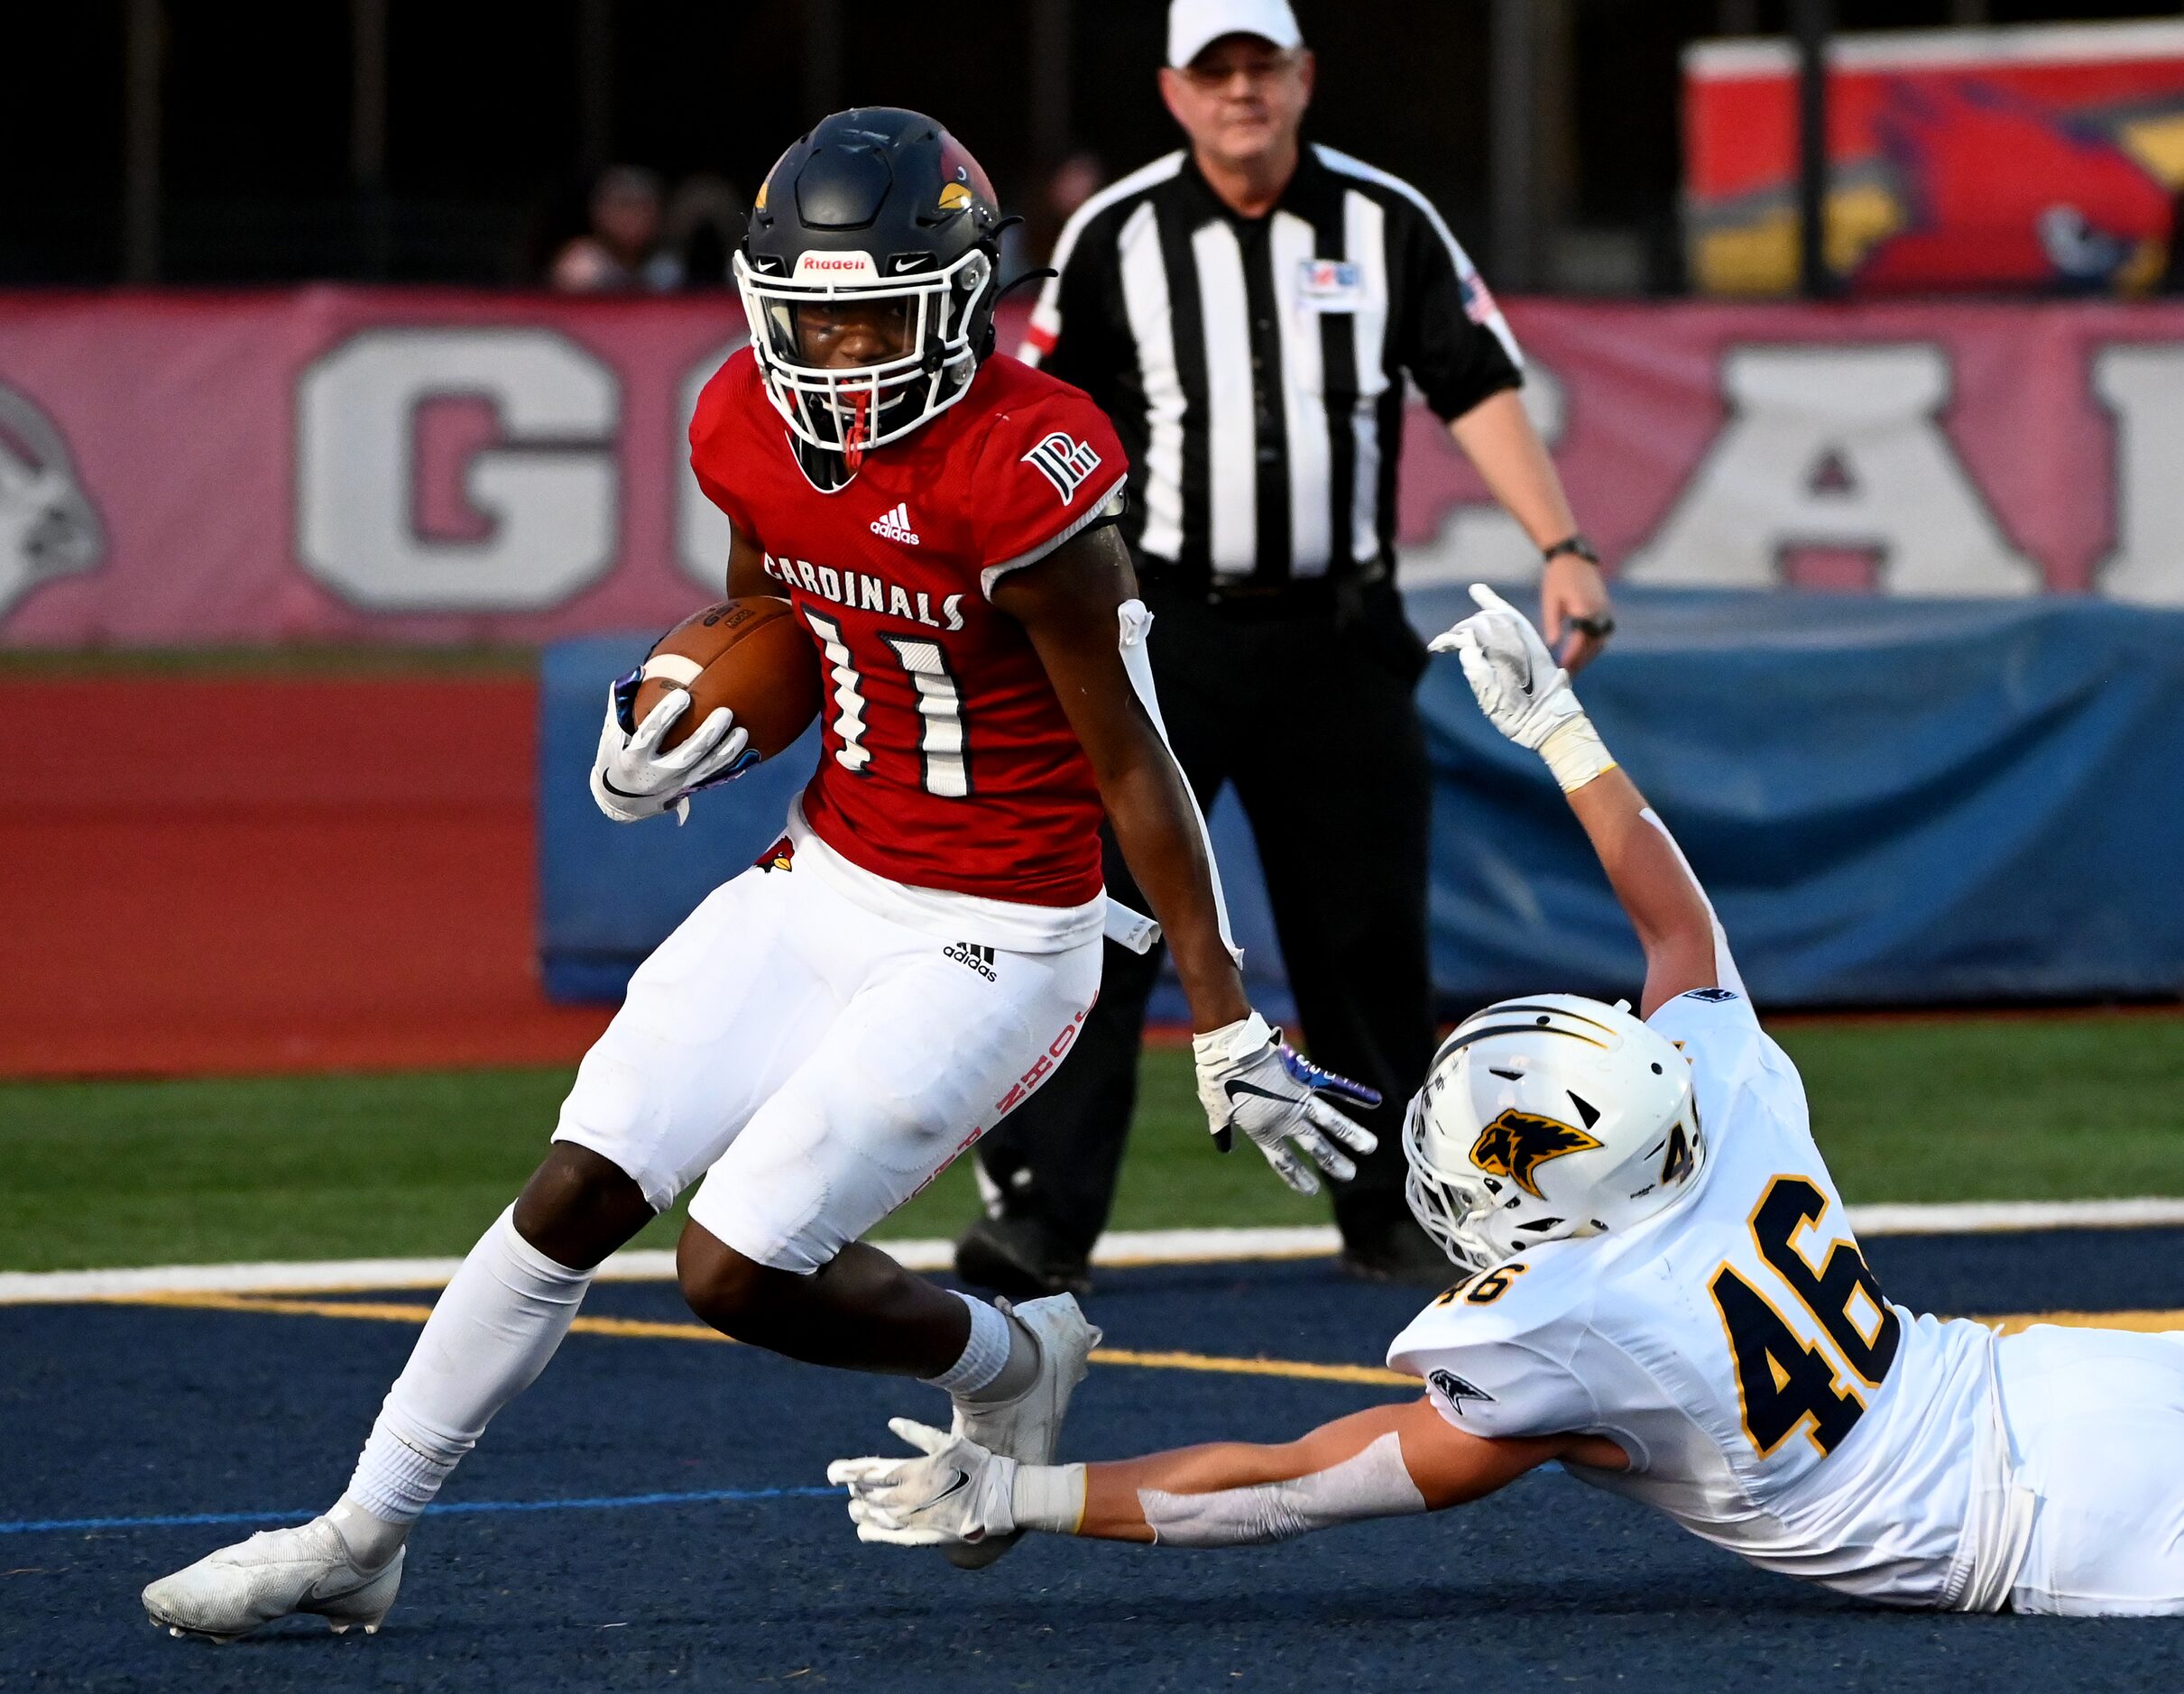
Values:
[(1574, 752)]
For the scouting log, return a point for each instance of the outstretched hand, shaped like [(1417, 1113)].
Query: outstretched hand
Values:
[(1250, 1079), (952, 1490), (1524, 692)]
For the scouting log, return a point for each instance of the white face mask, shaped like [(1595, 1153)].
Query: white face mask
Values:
[(852, 410)]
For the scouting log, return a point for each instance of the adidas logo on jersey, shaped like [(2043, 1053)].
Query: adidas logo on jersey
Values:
[(896, 525), (979, 959)]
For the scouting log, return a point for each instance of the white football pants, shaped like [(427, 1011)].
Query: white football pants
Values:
[(817, 1062), (2096, 1418)]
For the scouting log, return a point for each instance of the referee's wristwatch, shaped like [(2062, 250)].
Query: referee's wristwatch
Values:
[(1578, 547)]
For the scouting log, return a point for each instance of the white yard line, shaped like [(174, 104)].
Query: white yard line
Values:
[(1127, 1246), (1979, 1217), (1141, 1246)]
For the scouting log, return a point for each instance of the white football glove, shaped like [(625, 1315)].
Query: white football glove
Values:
[(633, 780), (1524, 692), (1250, 1079), (954, 1490)]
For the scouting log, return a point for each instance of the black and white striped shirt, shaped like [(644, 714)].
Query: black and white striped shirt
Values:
[(1254, 367)]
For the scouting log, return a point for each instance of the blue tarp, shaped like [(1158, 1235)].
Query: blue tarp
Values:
[(1891, 802)]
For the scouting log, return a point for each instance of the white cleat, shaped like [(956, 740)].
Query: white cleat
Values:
[(1028, 1428), (276, 1573)]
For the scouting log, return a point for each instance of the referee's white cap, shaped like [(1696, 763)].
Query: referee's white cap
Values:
[(1194, 26)]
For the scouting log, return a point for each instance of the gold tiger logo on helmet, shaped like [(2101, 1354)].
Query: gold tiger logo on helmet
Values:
[(1517, 1143)]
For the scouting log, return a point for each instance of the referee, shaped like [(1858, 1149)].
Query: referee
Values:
[(1247, 312)]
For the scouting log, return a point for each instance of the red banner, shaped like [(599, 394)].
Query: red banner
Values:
[(439, 467), (2042, 157)]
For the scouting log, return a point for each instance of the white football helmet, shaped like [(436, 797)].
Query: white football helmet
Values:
[(1544, 1118)]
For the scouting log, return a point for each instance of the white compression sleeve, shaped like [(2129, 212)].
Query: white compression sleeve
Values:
[(488, 1337), (1138, 662), (1725, 967), (1373, 1483)]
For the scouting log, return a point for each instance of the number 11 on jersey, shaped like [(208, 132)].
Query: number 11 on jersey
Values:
[(943, 750)]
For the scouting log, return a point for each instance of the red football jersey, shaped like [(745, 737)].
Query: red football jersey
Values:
[(948, 762)]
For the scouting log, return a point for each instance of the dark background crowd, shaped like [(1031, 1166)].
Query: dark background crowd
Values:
[(589, 143)]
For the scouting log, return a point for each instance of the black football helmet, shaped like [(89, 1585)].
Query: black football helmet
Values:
[(875, 204)]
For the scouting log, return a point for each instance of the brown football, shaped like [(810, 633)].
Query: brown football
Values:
[(752, 656)]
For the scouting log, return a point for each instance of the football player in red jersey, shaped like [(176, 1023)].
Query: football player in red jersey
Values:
[(830, 1029)]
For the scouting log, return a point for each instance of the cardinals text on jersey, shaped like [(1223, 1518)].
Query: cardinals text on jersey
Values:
[(948, 764)]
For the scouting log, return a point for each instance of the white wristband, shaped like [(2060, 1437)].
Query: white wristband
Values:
[(1049, 1497), (1574, 752), (1232, 1044)]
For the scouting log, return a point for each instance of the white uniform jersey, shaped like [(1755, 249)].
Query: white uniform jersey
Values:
[(1740, 1352)]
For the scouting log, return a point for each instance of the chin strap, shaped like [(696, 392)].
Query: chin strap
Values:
[(1015, 282), (852, 440)]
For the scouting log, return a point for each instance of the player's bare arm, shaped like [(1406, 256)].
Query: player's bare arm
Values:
[(1243, 1490), (1070, 603), (1389, 1461), (747, 570), (1529, 699), (1498, 437), (1675, 924)]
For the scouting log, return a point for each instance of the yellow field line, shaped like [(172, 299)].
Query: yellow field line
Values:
[(375, 1311), (1370, 1373), (388, 1311), (2146, 1323), (1300, 1370), (642, 1328)]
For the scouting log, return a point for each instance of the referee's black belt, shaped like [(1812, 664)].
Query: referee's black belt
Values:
[(1339, 595)]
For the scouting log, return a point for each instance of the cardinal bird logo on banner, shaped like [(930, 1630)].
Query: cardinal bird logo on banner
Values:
[(48, 527)]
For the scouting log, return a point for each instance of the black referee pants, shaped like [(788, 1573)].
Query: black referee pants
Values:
[(1310, 714)]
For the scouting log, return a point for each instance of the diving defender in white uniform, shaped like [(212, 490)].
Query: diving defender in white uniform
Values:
[(1665, 1295)]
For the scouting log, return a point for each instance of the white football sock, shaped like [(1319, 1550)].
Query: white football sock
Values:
[(488, 1338), (371, 1540), (999, 1360)]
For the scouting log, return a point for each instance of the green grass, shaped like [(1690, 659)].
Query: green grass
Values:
[(331, 1167), (1997, 1107)]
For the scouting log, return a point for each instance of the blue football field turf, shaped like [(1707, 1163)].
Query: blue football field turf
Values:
[(653, 1514)]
